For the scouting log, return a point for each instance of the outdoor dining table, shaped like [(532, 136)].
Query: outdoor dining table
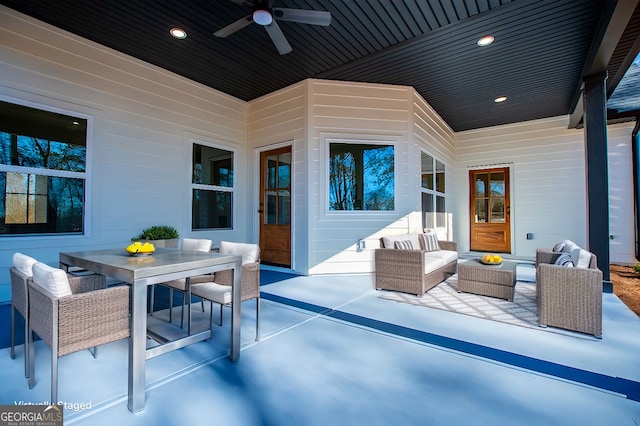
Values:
[(140, 272)]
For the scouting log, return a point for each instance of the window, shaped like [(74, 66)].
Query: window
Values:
[(43, 159), (361, 177), (277, 191), (212, 188), (433, 192), (490, 197)]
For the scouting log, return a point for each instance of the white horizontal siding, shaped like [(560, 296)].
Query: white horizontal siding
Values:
[(274, 120), (621, 220), (361, 111), (358, 112), (143, 118), (435, 137), (547, 180)]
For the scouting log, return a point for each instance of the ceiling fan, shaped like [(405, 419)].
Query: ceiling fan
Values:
[(266, 15)]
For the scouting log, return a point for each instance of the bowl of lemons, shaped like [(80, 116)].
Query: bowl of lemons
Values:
[(491, 259), (140, 249)]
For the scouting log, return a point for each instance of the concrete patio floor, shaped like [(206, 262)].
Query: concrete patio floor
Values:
[(333, 352)]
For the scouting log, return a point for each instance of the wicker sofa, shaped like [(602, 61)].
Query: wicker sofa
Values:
[(414, 270), (569, 291)]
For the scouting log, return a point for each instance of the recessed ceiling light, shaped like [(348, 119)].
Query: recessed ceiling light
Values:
[(485, 41), (178, 33), (500, 99)]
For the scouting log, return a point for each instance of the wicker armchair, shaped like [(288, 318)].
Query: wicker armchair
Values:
[(569, 298), (92, 315), (220, 291)]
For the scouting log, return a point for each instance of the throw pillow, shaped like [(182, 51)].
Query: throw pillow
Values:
[(403, 245), (584, 258), (429, 242), (53, 280), (24, 264), (564, 260), (558, 247), (569, 246)]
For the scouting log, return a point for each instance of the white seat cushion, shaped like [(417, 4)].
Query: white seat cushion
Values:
[(447, 256), (211, 291), (250, 252), (389, 240), (24, 264), (53, 280), (432, 263)]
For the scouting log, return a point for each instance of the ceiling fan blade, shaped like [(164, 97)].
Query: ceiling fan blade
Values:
[(303, 16), (232, 28), (243, 3), (278, 38)]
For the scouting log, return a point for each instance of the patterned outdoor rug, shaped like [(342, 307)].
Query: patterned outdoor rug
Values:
[(522, 311)]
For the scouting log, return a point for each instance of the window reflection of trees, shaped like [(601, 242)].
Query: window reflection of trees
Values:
[(34, 201), (361, 177)]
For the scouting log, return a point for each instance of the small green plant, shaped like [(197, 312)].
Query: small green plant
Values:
[(636, 268), (158, 232)]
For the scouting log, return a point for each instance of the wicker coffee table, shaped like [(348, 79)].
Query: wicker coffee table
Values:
[(487, 280)]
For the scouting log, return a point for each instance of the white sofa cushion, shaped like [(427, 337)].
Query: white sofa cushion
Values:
[(431, 263), (447, 256), (24, 264), (389, 240), (53, 280)]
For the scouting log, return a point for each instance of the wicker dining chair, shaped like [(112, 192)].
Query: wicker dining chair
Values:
[(87, 315), (193, 244), (220, 290)]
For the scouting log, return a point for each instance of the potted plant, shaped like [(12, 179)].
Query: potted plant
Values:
[(160, 235)]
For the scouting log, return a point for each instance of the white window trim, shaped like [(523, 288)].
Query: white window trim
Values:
[(196, 141), (433, 191), (87, 175), (368, 140)]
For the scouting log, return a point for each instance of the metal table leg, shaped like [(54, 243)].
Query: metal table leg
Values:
[(137, 346)]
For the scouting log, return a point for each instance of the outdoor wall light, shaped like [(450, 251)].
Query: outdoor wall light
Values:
[(500, 99)]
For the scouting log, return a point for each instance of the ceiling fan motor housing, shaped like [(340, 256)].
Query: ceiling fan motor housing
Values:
[(262, 14)]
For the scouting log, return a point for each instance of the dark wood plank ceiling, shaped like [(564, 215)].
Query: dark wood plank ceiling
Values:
[(536, 60)]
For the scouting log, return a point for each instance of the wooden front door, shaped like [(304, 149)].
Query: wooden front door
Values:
[(275, 206), (490, 210)]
